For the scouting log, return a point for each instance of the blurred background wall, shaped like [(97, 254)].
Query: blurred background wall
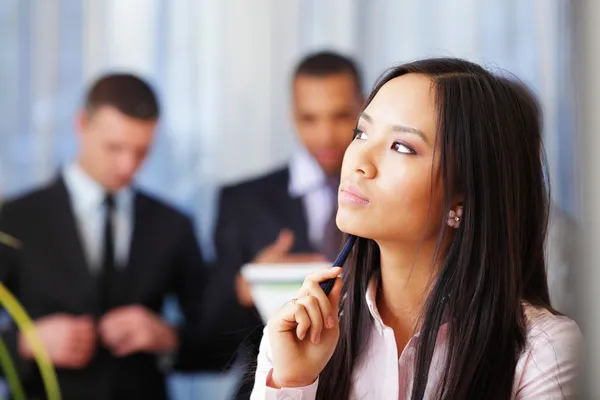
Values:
[(222, 69), (586, 45)]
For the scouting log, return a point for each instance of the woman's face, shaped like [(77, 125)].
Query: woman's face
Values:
[(390, 190)]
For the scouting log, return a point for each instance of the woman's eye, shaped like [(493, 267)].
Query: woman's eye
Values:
[(359, 134), (402, 148), (396, 146)]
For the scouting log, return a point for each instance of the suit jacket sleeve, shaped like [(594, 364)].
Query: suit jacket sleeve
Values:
[(232, 252), (229, 246), (200, 345), (10, 259)]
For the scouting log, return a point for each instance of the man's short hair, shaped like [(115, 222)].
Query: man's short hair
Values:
[(327, 63), (127, 93)]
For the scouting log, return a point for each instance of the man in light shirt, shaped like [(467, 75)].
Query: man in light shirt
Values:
[(288, 215)]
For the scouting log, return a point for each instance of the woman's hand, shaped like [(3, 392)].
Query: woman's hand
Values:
[(304, 333)]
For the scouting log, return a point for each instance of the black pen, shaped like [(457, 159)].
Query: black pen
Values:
[(339, 262)]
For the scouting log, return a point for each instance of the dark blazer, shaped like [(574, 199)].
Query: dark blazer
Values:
[(251, 215), (49, 274)]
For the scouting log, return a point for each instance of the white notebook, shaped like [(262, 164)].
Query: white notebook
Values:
[(273, 285)]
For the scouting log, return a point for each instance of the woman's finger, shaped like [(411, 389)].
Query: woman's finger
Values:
[(324, 274), (318, 277), (292, 316), (311, 305), (303, 320), (327, 311)]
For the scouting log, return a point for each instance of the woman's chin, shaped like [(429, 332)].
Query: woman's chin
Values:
[(352, 226)]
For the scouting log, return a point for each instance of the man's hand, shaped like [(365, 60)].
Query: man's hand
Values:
[(276, 253), (279, 252), (242, 289), (133, 329), (70, 341)]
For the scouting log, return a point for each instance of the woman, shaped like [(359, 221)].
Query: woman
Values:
[(445, 294)]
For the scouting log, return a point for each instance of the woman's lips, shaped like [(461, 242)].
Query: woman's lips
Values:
[(350, 193)]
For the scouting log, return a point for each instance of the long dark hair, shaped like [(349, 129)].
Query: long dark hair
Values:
[(489, 139)]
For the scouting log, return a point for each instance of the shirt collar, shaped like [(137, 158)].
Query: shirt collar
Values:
[(531, 313), (87, 194), (371, 298), (305, 174)]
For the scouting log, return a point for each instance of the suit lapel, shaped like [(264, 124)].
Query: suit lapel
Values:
[(63, 229)]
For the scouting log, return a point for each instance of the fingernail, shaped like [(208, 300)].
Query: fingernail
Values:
[(301, 336), (330, 322), (318, 338)]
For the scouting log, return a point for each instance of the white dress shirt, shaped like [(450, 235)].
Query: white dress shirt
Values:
[(307, 180), (87, 202), (547, 369)]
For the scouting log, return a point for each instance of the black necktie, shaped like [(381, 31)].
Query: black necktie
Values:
[(332, 238), (108, 258)]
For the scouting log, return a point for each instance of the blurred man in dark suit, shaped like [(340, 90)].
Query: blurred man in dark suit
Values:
[(97, 257), (288, 215)]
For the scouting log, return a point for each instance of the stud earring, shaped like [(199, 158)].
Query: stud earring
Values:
[(454, 218)]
